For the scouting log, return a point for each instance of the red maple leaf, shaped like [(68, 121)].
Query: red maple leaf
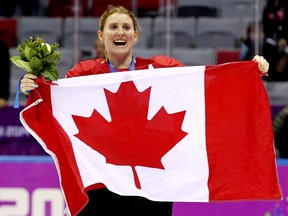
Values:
[(130, 138)]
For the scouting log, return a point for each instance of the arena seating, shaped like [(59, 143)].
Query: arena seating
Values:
[(198, 8), (182, 32), (50, 28), (218, 32), (88, 28)]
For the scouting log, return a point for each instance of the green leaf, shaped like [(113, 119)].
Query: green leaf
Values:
[(27, 52), (21, 64), (30, 43), (38, 50), (57, 55), (35, 64), (46, 49), (51, 58), (23, 57), (50, 73), (39, 40), (20, 48)]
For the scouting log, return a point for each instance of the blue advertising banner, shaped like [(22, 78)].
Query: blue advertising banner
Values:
[(14, 139), (29, 185)]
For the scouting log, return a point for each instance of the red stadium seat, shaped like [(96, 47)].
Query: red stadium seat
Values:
[(148, 7), (65, 8), (8, 31), (227, 55), (99, 6)]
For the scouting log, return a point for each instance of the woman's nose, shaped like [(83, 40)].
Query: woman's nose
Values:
[(120, 31)]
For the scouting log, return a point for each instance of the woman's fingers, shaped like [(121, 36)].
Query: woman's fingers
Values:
[(28, 84), (263, 65)]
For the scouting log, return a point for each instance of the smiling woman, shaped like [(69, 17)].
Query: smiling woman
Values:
[(119, 32)]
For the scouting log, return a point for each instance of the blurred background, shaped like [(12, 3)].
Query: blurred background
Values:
[(196, 32)]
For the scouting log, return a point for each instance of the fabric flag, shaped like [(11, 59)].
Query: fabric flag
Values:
[(189, 134)]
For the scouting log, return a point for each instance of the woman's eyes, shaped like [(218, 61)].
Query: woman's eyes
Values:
[(125, 27)]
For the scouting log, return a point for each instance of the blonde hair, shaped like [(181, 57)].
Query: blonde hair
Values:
[(123, 10)]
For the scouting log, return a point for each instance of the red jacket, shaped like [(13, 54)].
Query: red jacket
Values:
[(100, 65)]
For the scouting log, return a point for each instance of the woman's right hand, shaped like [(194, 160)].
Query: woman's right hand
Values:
[(28, 84)]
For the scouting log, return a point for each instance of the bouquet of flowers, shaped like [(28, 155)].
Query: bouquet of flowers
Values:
[(38, 57)]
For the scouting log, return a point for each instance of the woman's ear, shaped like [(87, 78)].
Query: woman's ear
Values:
[(136, 37), (100, 35)]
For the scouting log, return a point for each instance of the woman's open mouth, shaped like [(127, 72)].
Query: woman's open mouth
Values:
[(120, 42)]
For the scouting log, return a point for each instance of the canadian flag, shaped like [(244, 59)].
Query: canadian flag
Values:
[(195, 134)]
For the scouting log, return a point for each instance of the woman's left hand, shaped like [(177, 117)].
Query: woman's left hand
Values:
[(263, 65)]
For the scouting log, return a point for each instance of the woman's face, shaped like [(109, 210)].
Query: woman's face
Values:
[(118, 34)]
